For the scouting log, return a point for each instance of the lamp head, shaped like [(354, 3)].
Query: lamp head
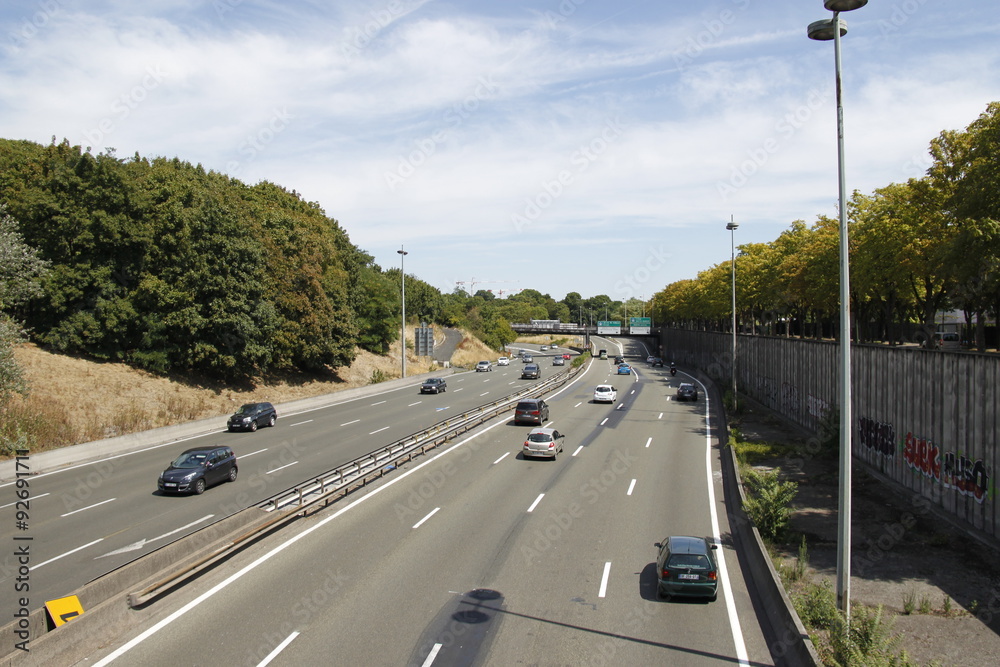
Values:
[(732, 226), (823, 31), (844, 5)]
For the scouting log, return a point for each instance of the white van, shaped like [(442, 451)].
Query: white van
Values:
[(948, 340)]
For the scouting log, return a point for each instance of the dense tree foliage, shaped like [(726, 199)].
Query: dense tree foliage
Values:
[(917, 248)]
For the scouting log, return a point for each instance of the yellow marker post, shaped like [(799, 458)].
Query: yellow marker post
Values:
[(64, 610)]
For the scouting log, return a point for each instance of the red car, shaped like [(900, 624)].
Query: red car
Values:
[(565, 356)]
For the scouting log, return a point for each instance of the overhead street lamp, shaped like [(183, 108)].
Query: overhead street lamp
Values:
[(402, 289), (824, 31), (732, 227)]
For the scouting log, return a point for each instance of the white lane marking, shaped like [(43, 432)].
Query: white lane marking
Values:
[(460, 389), (484, 393), (281, 468), (259, 451), (301, 423), (384, 428), (630, 487), (620, 406), (278, 649), (143, 542), (501, 458), (632, 392), (578, 404), (535, 504), (412, 404), (734, 619), (379, 403), (431, 656), (149, 632), (349, 423), (88, 507), (661, 416), (648, 441), (604, 580), (32, 498), (429, 515), (578, 450), (603, 422), (89, 544)]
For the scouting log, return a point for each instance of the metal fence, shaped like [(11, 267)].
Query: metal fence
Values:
[(924, 419)]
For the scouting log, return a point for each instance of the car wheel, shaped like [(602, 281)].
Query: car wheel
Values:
[(253, 425), (230, 429), (272, 420), (199, 487)]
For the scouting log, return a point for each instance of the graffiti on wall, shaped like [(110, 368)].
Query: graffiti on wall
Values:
[(968, 477), (816, 406), (952, 470), (789, 399), (877, 437)]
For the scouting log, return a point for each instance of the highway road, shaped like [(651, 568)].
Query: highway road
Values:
[(89, 519), (475, 555)]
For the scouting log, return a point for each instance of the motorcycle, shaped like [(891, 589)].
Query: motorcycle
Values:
[(673, 370)]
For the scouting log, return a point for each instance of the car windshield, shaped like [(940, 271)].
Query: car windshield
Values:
[(692, 561), (244, 409), (539, 437), (432, 381), (194, 460)]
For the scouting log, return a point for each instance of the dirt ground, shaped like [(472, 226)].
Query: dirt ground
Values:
[(903, 555)]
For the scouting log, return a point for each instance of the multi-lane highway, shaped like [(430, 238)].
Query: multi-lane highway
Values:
[(475, 555), (88, 519)]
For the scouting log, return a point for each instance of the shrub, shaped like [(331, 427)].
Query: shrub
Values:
[(767, 502), (817, 606), (868, 643)]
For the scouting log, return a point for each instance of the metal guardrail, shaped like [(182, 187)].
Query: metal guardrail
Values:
[(334, 484)]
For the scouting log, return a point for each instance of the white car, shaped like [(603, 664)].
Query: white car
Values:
[(545, 348), (605, 393), (484, 366), (503, 361)]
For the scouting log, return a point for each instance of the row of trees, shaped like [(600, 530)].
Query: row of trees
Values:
[(171, 268), (916, 248)]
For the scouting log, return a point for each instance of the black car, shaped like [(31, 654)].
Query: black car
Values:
[(656, 361), (687, 391), (686, 566), (433, 386), (531, 372), (619, 359), (531, 411), (252, 415), (197, 469)]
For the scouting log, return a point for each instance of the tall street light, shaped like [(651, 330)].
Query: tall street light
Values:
[(732, 227), (826, 30), (402, 288)]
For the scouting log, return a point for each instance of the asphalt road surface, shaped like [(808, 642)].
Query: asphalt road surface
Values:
[(475, 555)]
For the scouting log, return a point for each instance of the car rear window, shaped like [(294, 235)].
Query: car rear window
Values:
[(539, 437), (693, 561), (527, 406)]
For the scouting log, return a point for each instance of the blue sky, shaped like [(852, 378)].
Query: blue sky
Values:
[(565, 145)]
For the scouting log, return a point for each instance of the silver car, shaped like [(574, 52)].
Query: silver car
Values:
[(543, 442)]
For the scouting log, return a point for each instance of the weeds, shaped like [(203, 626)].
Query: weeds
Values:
[(767, 502), (377, 376), (909, 602), (867, 642), (816, 606)]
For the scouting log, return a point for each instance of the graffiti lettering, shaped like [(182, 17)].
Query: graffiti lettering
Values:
[(878, 437), (968, 477)]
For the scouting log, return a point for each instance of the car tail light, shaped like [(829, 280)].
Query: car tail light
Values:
[(711, 575), (552, 445), (665, 574)]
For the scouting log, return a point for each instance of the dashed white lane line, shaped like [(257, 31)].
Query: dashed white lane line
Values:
[(89, 506), (604, 580), (278, 649), (535, 504), (429, 515)]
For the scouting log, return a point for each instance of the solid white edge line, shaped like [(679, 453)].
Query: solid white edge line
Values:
[(431, 656), (429, 515), (89, 544), (537, 500), (278, 649), (604, 580), (727, 590), (128, 646)]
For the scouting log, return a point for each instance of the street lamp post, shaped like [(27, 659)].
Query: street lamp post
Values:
[(732, 227), (826, 30), (402, 289)]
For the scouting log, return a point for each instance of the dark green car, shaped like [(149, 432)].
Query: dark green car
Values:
[(686, 567)]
